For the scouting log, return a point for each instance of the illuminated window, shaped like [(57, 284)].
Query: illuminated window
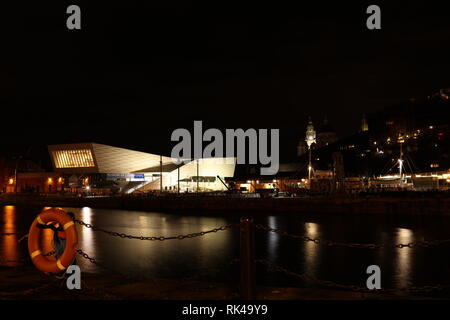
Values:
[(81, 158)]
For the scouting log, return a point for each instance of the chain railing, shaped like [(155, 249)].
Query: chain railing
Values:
[(247, 260), (144, 238), (330, 243), (92, 260), (354, 288), (160, 238), (306, 277)]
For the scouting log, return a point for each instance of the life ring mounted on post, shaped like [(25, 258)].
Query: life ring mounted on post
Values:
[(34, 237)]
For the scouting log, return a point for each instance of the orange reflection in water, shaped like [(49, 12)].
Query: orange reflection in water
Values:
[(9, 243)]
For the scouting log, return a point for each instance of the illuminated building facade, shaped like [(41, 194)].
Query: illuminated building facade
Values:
[(93, 165)]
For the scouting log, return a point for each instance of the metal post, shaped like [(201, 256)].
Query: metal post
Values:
[(247, 259), (160, 175), (178, 179), (400, 164), (309, 167), (198, 188)]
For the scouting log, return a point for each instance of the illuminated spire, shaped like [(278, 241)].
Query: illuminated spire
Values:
[(364, 124), (310, 136)]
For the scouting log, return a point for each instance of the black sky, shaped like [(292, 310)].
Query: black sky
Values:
[(138, 70)]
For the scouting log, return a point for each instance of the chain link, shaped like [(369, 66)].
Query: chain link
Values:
[(422, 244), (49, 253), (86, 256), (327, 283), (160, 238), (93, 260), (305, 277)]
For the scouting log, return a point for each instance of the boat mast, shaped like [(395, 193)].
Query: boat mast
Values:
[(400, 160)]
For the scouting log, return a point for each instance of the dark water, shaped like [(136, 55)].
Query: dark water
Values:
[(209, 256)]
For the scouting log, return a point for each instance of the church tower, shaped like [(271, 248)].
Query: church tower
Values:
[(364, 124), (310, 136)]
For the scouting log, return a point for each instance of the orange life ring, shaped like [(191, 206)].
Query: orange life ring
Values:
[(34, 236)]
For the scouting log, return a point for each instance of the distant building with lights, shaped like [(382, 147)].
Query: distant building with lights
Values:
[(103, 169), (129, 171), (325, 136)]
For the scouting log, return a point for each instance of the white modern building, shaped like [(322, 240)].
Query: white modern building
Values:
[(135, 171)]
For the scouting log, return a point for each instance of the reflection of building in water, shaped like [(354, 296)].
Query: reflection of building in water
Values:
[(311, 249), (273, 239), (403, 258), (150, 258), (87, 234), (9, 249)]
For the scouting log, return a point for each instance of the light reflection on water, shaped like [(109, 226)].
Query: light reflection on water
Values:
[(311, 250), (149, 258), (404, 263), (183, 258), (273, 239), (9, 244), (86, 238)]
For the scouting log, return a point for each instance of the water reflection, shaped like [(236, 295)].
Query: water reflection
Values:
[(404, 261), (9, 249), (273, 239), (147, 258), (178, 258), (311, 250), (86, 239), (214, 245), (87, 234)]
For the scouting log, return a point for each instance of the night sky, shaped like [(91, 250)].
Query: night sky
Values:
[(138, 70)]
